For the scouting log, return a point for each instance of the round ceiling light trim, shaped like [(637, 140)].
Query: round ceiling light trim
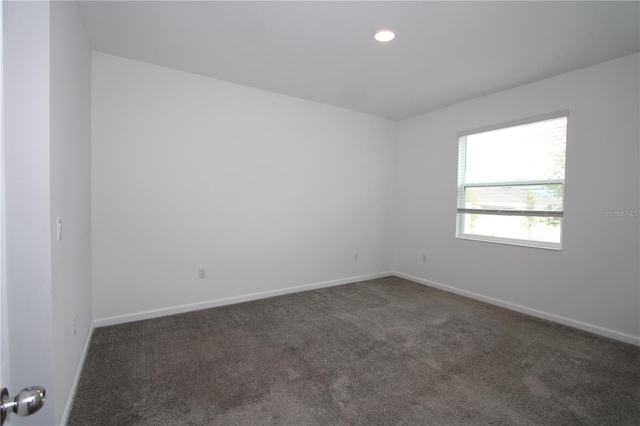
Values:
[(384, 36)]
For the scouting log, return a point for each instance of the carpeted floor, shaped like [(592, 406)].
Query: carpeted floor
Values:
[(380, 352)]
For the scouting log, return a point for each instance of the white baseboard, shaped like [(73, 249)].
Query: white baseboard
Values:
[(76, 379), (606, 332), (155, 313), (137, 316)]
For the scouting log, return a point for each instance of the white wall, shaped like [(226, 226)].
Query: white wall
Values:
[(593, 282), (27, 195), (70, 145), (266, 191)]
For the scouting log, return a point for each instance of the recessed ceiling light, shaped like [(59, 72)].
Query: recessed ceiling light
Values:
[(384, 35)]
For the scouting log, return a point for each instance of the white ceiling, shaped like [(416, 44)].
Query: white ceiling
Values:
[(444, 52)]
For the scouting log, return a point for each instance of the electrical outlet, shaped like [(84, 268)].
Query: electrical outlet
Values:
[(356, 255), (75, 328), (424, 257), (202, 273)]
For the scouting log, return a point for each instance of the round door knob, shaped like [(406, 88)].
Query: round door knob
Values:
[(27, 402)]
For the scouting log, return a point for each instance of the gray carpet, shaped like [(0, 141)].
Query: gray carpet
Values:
[(380, 352)]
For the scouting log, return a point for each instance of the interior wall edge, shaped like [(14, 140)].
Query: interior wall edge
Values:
[(180, 309), (591, 328), (76, 378)]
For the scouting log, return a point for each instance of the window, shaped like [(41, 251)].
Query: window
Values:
[(511, 182)]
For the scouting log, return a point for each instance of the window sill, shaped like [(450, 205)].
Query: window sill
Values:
[(512, 242)]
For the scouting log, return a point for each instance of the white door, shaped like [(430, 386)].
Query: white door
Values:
[(4, 344), (18, 402)]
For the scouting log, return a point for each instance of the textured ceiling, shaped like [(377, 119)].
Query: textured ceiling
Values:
[(444, 52)]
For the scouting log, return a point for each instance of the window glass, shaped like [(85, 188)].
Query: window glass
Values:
[(511, 183)]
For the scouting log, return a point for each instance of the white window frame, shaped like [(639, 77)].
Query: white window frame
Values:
[(461, 186)]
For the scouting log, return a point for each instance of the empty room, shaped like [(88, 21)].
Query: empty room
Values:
[(320, 213)]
